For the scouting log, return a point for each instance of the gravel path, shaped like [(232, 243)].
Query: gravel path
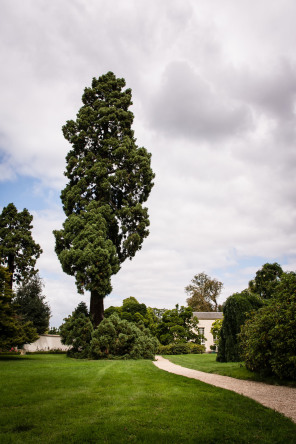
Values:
[(280, 398)]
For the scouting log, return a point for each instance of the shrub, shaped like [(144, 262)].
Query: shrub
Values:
[(181, 348), (77, 331), (115, 337), (268, 340)]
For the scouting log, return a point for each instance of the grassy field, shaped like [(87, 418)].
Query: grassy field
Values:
[(207, 363), (54, 399)]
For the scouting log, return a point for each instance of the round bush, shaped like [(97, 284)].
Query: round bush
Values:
[(116, 337)]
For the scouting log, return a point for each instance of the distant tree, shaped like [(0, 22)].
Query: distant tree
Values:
[(14, 332), (109, 179), (178, 325), (54, 331), (268, 339), (29, 303), (204, 292), (18, 250), (235, 311), (266, 280)]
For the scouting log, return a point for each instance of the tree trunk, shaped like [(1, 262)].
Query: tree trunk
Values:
[(10, 263), (96, 308)]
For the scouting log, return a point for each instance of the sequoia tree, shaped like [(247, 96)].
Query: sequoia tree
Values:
[(18, 250), (109, 179)]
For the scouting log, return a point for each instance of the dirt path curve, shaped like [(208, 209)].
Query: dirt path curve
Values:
[(280, 398)]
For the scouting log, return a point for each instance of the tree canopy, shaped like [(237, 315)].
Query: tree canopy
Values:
[(18, 250), (266, 280), (29, 302), (204, 292), (109, 179)]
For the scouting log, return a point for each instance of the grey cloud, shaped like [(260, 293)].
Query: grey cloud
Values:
[(186, 105)]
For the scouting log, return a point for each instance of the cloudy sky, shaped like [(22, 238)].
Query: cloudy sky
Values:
[(214, 93)]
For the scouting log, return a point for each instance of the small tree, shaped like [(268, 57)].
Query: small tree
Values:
[(109, 179), (204, 292), (77, 331), (30, 304), (216, 332), (268, 340), (235, 311), (13, 331), (18, 250), (178, 325)]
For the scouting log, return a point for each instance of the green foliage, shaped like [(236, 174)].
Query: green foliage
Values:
[(235, 312), (116, 337), (181, 348), (216, 329), (203, 292), (29, 303), (133, 311), (266, 280), (14, 332), (77, 331), (178, 325), (268, 339), (109, 180), (18, 251)]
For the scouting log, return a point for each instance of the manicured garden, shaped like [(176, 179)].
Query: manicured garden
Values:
[(54, 399)]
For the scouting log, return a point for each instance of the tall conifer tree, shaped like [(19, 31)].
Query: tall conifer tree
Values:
[(109, 179), (18, 250)]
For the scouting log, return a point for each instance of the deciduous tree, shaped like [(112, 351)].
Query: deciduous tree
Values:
[(109, 179), (204, 292)]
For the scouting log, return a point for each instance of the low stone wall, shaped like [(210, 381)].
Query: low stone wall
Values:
[(46, 343)]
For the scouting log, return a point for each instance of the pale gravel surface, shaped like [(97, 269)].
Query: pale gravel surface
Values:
[(279, 398)]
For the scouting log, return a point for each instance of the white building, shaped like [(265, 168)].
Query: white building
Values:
[(205, 321), (46, 343)]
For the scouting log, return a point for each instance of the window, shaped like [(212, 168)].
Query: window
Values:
[(201, 331)]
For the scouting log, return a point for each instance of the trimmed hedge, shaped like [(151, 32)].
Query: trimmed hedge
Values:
[(181, 348)]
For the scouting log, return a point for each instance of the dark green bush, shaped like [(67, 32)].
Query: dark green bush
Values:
[(268, 339), (235, 312), (77, 331), (181, 348), (116, 337)]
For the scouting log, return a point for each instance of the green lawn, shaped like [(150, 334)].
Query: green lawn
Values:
[(54, 399), (207, 363)]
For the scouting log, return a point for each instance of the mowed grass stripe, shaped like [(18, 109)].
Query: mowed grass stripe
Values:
[(53, 399)]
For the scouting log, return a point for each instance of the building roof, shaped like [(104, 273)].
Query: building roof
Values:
[(208, 314)]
